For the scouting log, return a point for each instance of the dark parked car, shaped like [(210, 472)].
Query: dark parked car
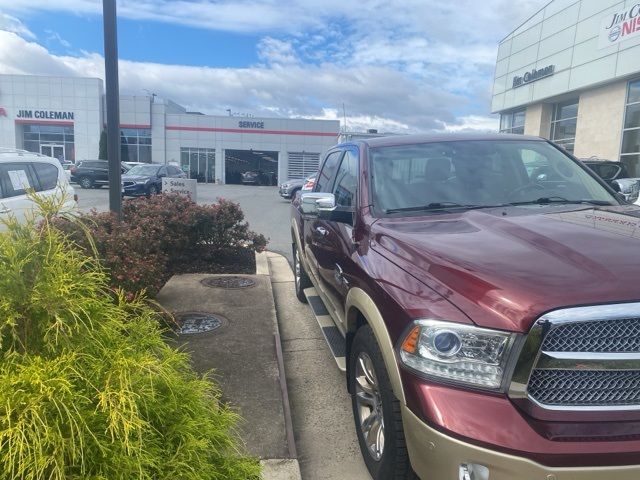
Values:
[(92, 173), (147, 179), (616, 175), (486, 315)]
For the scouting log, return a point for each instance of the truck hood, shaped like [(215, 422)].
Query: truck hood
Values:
[(505, 267)]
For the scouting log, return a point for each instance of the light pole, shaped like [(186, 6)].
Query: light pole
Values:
[(113, 105)]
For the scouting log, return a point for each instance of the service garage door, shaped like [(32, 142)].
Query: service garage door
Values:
[(302, 164)]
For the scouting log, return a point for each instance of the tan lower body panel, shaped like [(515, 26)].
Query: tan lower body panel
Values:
[(436, 456)]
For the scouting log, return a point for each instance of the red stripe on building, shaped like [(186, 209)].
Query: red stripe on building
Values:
[(258, 131), (25, 121), (132, 125)]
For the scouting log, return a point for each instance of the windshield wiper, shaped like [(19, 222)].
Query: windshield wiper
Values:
[(555, 199), (435, 207)]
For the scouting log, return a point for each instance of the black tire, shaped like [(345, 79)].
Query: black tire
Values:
[(85, 182), (153, 190), (301, 279), (393, 462)]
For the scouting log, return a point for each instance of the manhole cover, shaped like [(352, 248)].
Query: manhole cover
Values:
[(228, 282), (198, 322)]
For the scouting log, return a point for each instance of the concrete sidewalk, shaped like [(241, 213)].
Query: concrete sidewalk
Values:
[(243, 355), (321, 407)]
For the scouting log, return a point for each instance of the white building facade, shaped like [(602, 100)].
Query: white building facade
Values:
[(571, 73), (64, 117)]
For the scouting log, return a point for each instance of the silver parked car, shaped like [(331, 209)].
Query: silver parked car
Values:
[(291, 187)]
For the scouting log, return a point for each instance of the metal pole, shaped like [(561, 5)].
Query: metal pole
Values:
[(113, 105)]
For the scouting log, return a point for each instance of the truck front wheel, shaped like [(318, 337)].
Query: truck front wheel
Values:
[(376, 411), (301, 279)]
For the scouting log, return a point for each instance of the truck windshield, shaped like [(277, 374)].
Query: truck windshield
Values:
[(476, 174)]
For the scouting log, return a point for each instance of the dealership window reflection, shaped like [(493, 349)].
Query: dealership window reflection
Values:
[(135, 145), (198, 163), (563, 124), (630, 155), (513, 122), (42, 139)]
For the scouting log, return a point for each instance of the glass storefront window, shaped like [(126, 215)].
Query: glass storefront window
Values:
[(199, 163), (49, 138), (135, 145), (564, 123), (513, 122), (630, 154)]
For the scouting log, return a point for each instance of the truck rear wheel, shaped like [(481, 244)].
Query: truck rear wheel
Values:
[(376, 411), (301, 279)]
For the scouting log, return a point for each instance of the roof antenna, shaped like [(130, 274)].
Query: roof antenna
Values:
[(344, 113)]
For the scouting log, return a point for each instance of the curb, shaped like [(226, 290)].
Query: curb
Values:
[(279, 469)]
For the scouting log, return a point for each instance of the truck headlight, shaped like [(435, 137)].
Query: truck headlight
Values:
[(457, 353)]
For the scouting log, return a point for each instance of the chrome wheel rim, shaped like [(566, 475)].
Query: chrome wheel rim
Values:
[(296, 267), (369, 406)]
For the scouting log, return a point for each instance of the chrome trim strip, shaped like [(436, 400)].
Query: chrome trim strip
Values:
[(587, 361), (594, 408), (618, 311)]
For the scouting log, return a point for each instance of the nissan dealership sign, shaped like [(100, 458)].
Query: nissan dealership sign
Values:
[(619, 26)]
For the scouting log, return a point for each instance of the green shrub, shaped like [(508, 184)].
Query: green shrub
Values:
[(163, 235), (88, 387)]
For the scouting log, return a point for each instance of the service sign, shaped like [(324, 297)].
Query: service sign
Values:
[(181, 186), (619, 26)]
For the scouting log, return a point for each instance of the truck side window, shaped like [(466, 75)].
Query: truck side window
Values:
[(347, 180), (328, 172)]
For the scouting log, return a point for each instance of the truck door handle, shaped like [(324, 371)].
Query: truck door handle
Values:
[(323, 232), (5, 210)]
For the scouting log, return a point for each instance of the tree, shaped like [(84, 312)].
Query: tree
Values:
[(102, 149)]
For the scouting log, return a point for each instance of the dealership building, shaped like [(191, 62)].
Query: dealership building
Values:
[(571, 73), (64, 117)]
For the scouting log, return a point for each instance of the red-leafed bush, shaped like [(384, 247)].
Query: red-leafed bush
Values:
[(163, 235)]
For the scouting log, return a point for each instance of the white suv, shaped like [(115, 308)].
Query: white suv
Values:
[(21, 171)]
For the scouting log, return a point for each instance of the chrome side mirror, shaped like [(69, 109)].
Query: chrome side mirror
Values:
[(309, 202)]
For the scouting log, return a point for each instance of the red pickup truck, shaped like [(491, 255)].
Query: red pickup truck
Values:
[(487, 318)]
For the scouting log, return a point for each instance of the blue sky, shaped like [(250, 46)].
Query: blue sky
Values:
[(397, 65)]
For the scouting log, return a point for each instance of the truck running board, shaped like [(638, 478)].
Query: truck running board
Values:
[(332, 335)]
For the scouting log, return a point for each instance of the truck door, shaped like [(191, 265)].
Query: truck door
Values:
[(334, 245), (314, 229)]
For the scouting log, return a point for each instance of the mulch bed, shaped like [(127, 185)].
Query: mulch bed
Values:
[(231, 261)]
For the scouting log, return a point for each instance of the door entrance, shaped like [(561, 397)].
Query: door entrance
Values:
[(55, 151)]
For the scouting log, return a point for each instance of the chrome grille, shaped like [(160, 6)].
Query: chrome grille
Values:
[(585, 388), (599, 336), (581, 358)]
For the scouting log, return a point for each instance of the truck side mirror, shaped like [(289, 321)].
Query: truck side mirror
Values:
[(308, 202)]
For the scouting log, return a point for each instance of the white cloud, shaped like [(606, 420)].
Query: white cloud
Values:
[(12, 24), (55, 37), (401, 65), (474, 123), (375, 97)]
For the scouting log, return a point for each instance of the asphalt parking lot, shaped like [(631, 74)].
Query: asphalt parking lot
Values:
[(264, 209)]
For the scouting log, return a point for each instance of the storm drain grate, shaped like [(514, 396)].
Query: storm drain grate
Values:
[(198, 322), (228, 282)]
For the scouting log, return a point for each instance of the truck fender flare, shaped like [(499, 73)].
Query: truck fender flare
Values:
[(359, 300)]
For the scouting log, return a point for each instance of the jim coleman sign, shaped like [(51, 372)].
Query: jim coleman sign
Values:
[(619, 26)]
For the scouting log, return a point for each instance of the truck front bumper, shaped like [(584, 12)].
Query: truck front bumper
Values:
[(435, 455)]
